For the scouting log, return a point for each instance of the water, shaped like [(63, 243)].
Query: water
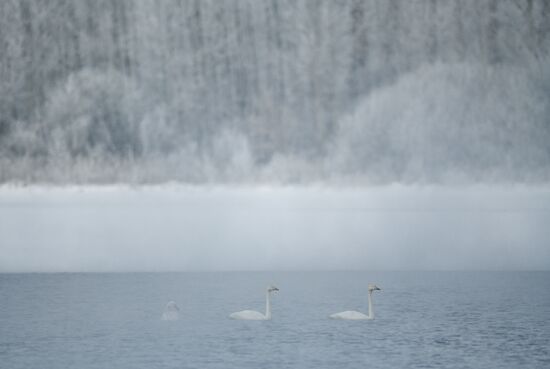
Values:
[(423, 319)]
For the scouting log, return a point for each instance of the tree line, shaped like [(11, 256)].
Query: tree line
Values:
[(120, 80)]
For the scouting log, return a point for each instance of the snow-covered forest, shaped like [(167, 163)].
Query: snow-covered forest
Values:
[(374, 91)]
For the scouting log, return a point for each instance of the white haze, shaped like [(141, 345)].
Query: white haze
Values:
[(169, 228)]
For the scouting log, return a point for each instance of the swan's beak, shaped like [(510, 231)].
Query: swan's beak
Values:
[(376, 288)]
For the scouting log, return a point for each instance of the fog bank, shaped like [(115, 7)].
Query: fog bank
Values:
[(179, 228)]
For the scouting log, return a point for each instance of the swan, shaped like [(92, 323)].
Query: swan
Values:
[(355, 315), (256, 315), (171, 311)]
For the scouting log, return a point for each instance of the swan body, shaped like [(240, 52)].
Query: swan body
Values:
[(256, 315), (171, 311), (248, 315), (350, 315), (356, 315)]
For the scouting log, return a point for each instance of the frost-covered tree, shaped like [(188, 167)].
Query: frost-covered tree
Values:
[(124, 82)]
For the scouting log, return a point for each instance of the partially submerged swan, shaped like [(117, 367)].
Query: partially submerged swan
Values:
[(171, 311), (255, 315), (355, 315)]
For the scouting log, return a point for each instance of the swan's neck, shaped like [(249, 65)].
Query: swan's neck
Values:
[(267, 305), (371, 310)]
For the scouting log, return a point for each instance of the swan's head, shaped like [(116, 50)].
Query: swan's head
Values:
[(272, 288), (373, 287)]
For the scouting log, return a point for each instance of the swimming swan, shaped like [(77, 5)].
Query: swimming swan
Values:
[(171, 311), (355, 315), (255, 315)]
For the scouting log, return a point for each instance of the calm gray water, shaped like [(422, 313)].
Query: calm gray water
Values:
[(431, 319)]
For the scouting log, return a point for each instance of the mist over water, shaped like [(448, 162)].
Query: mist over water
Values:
[(175, 228), (275, 91)]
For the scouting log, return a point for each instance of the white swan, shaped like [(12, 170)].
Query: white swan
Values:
[(355, 315), (255, 315), (171, 311)]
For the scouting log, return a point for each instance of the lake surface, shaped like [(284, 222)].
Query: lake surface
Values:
[(423, 319)]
